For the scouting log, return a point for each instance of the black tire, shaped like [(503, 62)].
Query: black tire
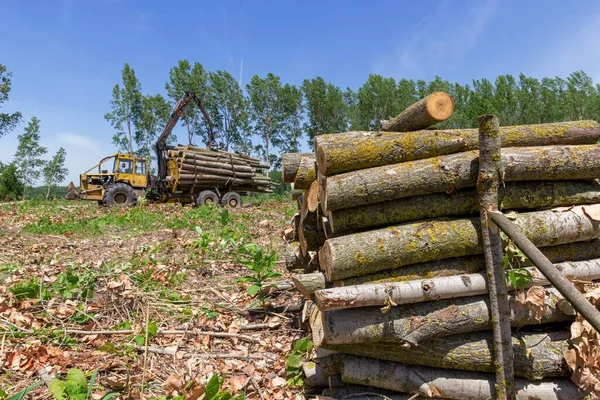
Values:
[(207, 197), (231, 199), (119, 194)]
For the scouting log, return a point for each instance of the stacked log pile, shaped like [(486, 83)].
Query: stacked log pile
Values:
[(200, 168), (401, 297)]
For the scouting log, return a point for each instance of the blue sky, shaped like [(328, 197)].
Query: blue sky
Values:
[(66, 55)]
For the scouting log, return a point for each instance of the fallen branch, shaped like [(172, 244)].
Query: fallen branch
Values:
[(166, 332), (173, 352)]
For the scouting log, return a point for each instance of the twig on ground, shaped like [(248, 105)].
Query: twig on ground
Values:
[(166, 332), (172, 352)]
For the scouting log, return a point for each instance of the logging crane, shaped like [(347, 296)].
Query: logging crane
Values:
[(130, 178)]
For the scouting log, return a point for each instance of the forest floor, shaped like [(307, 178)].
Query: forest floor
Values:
[(143, 303)]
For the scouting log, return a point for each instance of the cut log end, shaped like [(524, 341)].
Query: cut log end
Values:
[(313, 197), (321, 160), (440, 106)]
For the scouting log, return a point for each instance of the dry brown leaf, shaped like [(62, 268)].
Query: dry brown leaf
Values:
[(535, 301), (173, 385), (237, 383), (592, 212)]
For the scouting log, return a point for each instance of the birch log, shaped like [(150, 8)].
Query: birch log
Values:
[(436, 107), (448, 173), (351, 151), (536, 355), (451, 384), (416, 291), (412, 324), (400, 245), (515, 195)]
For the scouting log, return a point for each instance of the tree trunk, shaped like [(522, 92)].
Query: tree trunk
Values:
[(290, 162), (536, 355), (577, 251), (455, 171), (446, 287), (360, 392), (310, 232), (450, 384), (48, 192), (351, 151), (515, 195), (400, 245), (413, 324), (292, 257), (306, 174), (436, 107), (308, 284)]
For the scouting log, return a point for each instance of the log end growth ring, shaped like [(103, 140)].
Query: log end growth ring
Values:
[(440, 106), (313, 197), (321, 160)]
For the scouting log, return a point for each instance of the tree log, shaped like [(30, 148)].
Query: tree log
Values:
[(351, 151), (360, 392), (290, 162), (306, 174), (209, 162), (292, 256), (577, 251), (198, 168), (451, 384), (412, 324), (312, 197), (400, 245), (455, 171), (308, 284), (310, 232), (436, 107), (536, 355), (315, 376), (447, 287), (515, 195)]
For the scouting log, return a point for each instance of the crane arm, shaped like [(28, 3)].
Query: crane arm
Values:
[(160, 146)]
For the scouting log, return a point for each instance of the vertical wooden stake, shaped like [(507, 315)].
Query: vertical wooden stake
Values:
[(488, 182)]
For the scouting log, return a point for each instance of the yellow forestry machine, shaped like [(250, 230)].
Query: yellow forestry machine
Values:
[(129, 178)]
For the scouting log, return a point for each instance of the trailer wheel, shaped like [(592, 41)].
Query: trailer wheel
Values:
[(231, 199), (207, 197), (119, 194)]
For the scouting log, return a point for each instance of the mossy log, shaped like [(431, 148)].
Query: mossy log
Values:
[(306, 174), (577, 251), (452, 384), (515, 195), (412, 324), (308, 284), (360, 392), (448, 173), (447, 287), (207, 163), (290, 162), (536, 355), (351, 151), (436, 107), (400, 245), (198, 168)]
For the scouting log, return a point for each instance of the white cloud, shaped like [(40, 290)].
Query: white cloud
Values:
[(78, 140), (442, 38)]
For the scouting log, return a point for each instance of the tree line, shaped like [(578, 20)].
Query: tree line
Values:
[(280, 116), (27, 166)]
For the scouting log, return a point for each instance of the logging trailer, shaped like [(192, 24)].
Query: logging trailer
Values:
[(129, 178)]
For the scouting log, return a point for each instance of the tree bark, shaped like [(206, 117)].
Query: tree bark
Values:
[(199, 168), (536, 355), (360, 392), (310, 232), (351, 151), (413, 324), (292, 257), (451, 384), (451, 172), (515, 195), (290, 162), (316, 377), (308, 284), (436, 107), (446, 287), (306, 174), (400, 245)]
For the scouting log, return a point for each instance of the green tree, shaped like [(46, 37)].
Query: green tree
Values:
[(125, 109), (228, 110), (11, 186), (266, 111), (29, 152), (377, 100), (407, 93), (552, 94), (530, 100), (288, 138), (505, 99), (54, 171), (187, 78), (7, 121), (579, 96), (154, 114), (325, 108), (351, 102)]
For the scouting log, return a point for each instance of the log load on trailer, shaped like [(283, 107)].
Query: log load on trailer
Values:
[(186, 174)]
